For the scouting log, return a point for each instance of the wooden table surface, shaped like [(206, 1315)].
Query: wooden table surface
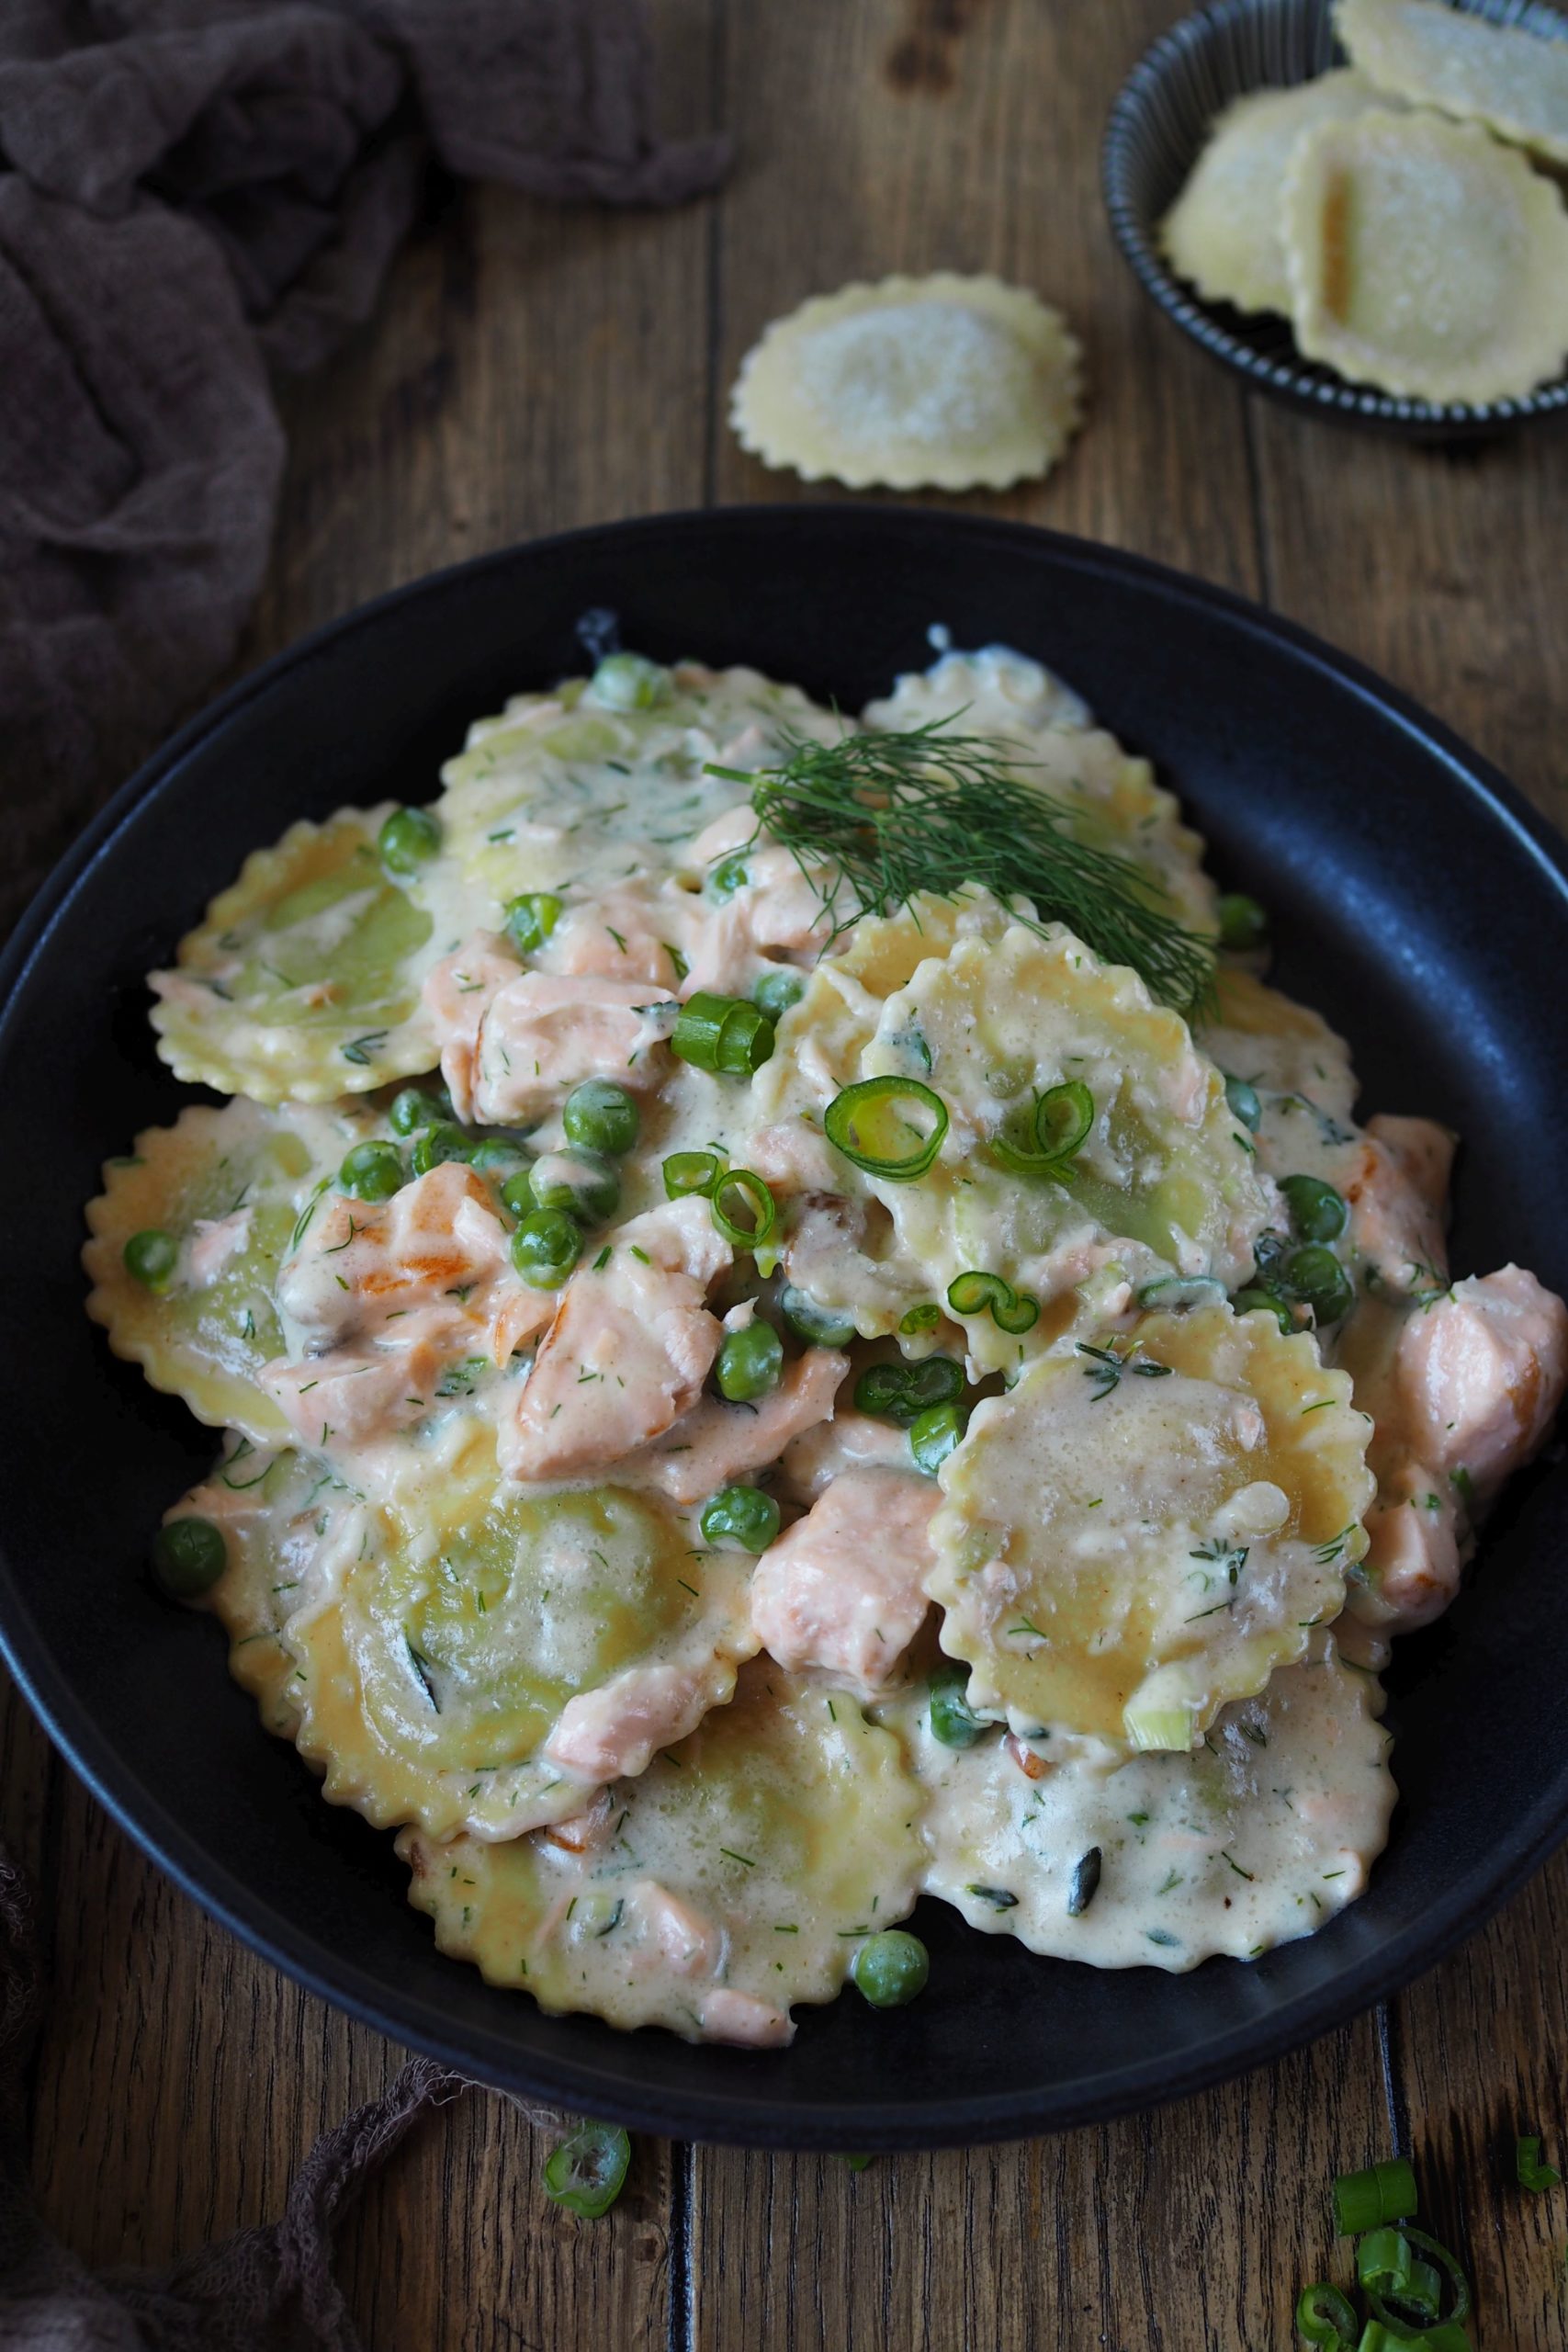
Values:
[(532, 368)]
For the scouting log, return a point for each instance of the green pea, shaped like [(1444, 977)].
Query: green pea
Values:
[(744, 1516), (726, 876), (531, 919), (583, 1181), (371, 1171), (499, 1158), (1243, 922), (749, 1363), (602, 1116), (953, 1722), (820, 1327), (891, 1968), (1317, 1212), (546, 1247), (413, 1108), (151, 1257), (408, 840), (630, 682), (439, 1144), (932, 1436), (777, 990), (587, 2172), (1315, 1274), (188, 1557), (1243, 1102), (517, 1193), (1256, 1296)]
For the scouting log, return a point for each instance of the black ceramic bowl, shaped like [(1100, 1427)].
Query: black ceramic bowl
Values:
[(1157, 128), (1417, 902)]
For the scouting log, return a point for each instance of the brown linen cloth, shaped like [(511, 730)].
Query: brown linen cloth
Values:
[(192, 192), (268, 2290)]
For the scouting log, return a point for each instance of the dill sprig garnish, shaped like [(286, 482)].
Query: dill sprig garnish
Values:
[(878, 818)]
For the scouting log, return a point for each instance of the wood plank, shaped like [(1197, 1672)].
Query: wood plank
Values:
[(1441, 569), (531, 368), (881, 142), (1187, 2230)]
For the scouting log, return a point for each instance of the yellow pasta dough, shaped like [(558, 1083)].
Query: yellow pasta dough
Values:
[(1222, 231), (734, 1877), (303, 978), (1510, 77), (946, 380), (227, 1186), (1426, 258), (1133, 1538)]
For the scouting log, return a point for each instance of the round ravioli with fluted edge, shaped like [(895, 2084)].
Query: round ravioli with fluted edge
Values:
[(738, 1875), (1163, 1176), (946, 380), (1511, 77), (302, 980), (1426, 258), (1261, 1834), (1139, 1532), (227, 1185), (278, 1510), (468, 1633), (1222, 231)]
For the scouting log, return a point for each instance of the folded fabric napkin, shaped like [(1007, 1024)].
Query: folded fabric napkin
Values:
[(194, 193), (267, 2289)]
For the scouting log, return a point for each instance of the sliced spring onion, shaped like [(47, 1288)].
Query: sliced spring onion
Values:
[(902, 1392), (690, 1172), (746, 1190), (1241, 1096), (1013, 1311), (724, 1034), (933, 1435), (1243, 922), (1063, 1117), (1365, 2201), (1529, 2170), (921, 1319), (1324, 2316), (871, 1124), (953, 1721), (818, 1326), (1422, 2295), (1383, 2259), (1174, 1294), (587, 2172)]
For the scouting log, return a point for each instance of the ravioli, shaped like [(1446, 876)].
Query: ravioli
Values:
[(303, 978), (1112, 797), (453, 1641), (1260, 1835), (1426, 259), (946, 381), (1511, 78), (736, 1876), (1133, 1538), (277, 1509), (993, 1026), (227, 1186), (1222, 231)]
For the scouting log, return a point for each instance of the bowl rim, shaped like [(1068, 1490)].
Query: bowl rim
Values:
[(1304, 384), (742, 2115)]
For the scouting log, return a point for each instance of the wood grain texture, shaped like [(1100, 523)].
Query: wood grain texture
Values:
[(532, 369)]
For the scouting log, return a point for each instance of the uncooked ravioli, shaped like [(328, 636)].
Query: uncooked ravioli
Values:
[(946, 380), (1222, 231), (1427, 259), (740, 1873), (1132, 1539), (1260, 1835), (1511, 78)]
